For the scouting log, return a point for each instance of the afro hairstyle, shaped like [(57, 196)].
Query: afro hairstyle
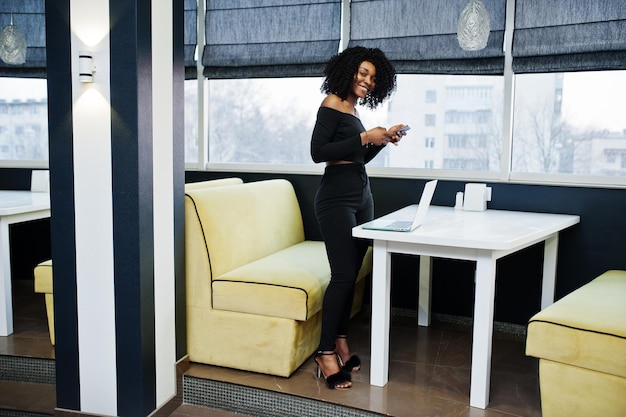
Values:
[(341, 69)]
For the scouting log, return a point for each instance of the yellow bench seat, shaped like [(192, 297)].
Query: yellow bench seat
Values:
[(581, 343)]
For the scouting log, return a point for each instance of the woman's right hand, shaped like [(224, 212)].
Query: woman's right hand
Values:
[(377, 136)]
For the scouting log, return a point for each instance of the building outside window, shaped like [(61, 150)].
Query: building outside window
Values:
[(23, 119)]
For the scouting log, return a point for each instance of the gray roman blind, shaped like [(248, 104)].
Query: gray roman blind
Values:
[(569, 35), (29, 18), (270, 38), (419, 36), (190, 37)]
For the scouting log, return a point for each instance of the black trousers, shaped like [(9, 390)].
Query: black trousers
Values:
[(343, 200)]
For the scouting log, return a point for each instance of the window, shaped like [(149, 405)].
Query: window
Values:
[(462, 115), (562, 123), (467, 93), (23, 119), (266, 121), (611, 155), (570, 123), (270, 121), (468, 116), (468, 164), (467, 141), (192, 138)]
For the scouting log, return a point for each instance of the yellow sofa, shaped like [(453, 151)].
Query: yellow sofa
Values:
[(43, 284), (43, 271), (580, 341), (254, 284)]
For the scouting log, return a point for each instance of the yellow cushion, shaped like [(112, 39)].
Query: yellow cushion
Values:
[(289, 283), (586, 328), (572, 391), (43, 277)]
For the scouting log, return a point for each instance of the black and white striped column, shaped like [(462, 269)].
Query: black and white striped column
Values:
[(117, 181)]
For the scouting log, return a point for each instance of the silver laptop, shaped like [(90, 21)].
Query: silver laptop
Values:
[(407, 225)]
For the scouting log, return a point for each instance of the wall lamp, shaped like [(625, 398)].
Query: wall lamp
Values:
[(86, 68)]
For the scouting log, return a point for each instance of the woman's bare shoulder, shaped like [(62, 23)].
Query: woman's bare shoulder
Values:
[(334, 102)]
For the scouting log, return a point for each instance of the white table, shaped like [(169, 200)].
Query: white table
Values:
[(15, 207), (483, 237)]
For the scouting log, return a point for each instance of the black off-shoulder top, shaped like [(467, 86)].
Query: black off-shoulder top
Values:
[(337, 136)]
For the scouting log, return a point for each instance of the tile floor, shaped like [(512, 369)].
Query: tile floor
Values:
[(429, 372)]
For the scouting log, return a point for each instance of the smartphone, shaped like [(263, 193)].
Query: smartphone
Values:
[(404, 129)]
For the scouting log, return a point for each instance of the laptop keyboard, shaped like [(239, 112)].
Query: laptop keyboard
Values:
[(400, 224)]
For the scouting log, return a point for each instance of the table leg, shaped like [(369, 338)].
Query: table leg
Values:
[(381, 314), (483, 329), (549, 270), (424, 294), (6, 302)]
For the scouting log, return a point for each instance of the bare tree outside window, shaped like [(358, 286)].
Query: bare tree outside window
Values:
[(569, 123)]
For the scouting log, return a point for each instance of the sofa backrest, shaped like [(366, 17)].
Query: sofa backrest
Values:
[(198, 268), (213, 183), (246, 222)]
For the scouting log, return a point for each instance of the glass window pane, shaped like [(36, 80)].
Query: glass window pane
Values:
[(265, 121), (23, 119), (455, 121), (191, 121), (570, 123)]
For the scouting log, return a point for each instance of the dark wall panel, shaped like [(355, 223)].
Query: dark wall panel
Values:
[(15, 179), (597, 244)]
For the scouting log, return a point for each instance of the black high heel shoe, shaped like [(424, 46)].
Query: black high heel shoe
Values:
[(352, 365), (333, 380)]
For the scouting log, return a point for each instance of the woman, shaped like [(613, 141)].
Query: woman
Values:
[(362, 76)]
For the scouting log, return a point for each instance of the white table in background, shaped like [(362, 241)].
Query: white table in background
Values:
[(482, 237), (15, 207)]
